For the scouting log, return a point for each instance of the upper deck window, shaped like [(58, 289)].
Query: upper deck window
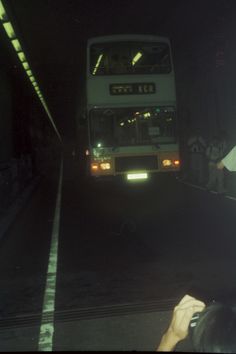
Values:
[(119, 58)]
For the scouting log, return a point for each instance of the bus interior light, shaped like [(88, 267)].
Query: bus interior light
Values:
[(97, 64), (9, 29), (136, 58), (147, 115)]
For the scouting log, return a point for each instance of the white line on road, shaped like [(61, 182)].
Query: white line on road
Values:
[(229, 197), (47, 321), (192, 185), (202, 188)]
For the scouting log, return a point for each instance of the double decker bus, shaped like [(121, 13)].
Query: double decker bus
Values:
[(131, 106)]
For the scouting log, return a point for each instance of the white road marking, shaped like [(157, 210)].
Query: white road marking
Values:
[(192, 185), (229, 197), (47, 322), (202, 188)]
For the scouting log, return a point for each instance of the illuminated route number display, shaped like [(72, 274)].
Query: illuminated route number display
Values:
[(132, 89)]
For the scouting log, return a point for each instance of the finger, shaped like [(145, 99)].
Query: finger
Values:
[(181, 311), (192, 309), (184, 316), (191, 304)]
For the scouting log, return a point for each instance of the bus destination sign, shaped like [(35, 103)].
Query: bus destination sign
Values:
[(132, 89)]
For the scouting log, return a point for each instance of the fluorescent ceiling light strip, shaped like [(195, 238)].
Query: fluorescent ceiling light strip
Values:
[(21, 56), (9, 29), (32, 79), (26, 65), (3, 14), (29, 72), (16, 45)]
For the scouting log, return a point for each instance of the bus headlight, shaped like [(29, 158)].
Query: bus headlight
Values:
[(169, 163), (166, 163), (105, 166)]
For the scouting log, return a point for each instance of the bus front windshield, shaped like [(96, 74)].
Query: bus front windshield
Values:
[(130, 58), (132, 126)]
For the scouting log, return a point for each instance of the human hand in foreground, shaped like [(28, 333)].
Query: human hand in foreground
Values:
[(181, 317)]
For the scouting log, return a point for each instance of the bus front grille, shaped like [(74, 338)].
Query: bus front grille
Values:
[(135, 163)]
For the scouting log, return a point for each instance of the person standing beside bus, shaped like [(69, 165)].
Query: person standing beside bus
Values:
[(214, 153), (197, 147)]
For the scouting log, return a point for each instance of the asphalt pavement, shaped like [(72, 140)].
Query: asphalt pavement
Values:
[(126, 256)]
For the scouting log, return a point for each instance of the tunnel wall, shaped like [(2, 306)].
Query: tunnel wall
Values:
[(6, 140)]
